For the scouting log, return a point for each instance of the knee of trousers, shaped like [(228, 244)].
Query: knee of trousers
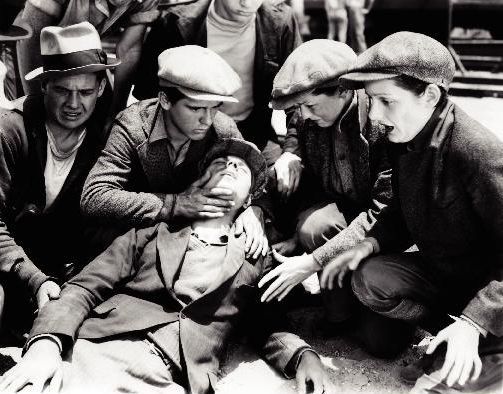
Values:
[(316, 229), (374, 287)]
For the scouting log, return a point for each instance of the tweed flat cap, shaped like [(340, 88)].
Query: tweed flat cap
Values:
[(403, 53), (199, 73), (313, 64), (246, 151)]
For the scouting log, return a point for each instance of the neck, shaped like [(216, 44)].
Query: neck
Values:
[(65, 139), (176, 138), (215, 225)]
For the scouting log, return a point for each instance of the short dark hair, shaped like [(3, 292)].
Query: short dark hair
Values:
[(172, 94), (417, 87), (100, 75), (328, 90)]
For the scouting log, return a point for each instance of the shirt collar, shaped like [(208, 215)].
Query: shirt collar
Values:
[(159, 129)]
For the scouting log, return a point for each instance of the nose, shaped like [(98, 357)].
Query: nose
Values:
[(305, 112), (374, 112), (207, 118), (232, 163), (73, 100)]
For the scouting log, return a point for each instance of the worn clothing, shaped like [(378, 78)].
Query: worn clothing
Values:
[(448, 183), (129, 288), (103, 14), (276, 37), (35, 241), (355, 157), (133, 181), (235, 42)]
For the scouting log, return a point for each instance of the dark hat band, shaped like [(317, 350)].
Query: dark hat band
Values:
[(74, 60)]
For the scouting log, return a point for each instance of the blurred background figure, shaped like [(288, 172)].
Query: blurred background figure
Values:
[(298, 9), (10, 85), (347, 17)]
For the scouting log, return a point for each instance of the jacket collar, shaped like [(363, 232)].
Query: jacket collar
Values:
[(426, 136), (172, 246)]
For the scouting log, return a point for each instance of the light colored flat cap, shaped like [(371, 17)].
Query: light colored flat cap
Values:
[(313, 64), (199, 73)]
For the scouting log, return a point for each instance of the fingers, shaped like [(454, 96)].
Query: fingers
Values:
[(340, 277), (210, 215), (217, 202), (265, 246), (318, 384), (56, 381), (477, 368), (279, 258), (238, 226), (456, 370), (448, 363), (301, 382), (274, 289), (270, 275), (328, 275), (54, 292), (219, 192), (435, 342), (43, 298), (294, 184), (465, 371)]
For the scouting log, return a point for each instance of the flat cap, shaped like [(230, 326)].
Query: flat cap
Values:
[(199, 73), (313, 64), (404, 53), (246, 151)]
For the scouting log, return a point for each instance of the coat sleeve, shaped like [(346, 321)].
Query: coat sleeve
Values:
[(484, 183), (381, 196), (105, 195), (13, 150), (90, 287), (269, 333)]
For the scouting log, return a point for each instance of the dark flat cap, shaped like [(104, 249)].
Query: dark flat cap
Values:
[(403, 53), (246, 151), (313, 64)]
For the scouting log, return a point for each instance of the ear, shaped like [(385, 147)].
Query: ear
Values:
[(248, 202), (163, 100), (101, 88), (432, 95)]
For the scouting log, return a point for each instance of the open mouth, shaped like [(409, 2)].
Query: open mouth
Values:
[(71, 115), (231, 174)]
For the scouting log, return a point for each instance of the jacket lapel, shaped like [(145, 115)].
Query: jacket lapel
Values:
[(171, 248)]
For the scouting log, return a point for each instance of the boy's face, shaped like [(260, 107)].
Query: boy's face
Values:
[(231, 172), (70, 100)]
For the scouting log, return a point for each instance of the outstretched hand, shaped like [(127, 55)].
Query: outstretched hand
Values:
[(346, 261), (311, 370), (251, 222), (291, 272), (42, 362), (462, 361)]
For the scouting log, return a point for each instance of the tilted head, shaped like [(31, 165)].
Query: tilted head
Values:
[(309, 80), (239, 166), (406, 76), (193, 82)]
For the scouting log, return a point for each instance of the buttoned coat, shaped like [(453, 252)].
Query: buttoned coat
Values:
[(448, 200), (129, 288)]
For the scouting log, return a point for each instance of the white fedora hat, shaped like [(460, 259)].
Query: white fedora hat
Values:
[(74, 49)]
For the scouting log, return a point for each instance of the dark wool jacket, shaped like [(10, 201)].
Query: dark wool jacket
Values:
[(34, 242), (355, 153), (448, 188), (133, 181), (277, 36), (130, 289)]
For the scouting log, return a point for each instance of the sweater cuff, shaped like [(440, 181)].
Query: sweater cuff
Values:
[(29, 274), (52, 337)]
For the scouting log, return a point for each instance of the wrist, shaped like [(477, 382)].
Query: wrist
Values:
[(313, 264), (45, 344)]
